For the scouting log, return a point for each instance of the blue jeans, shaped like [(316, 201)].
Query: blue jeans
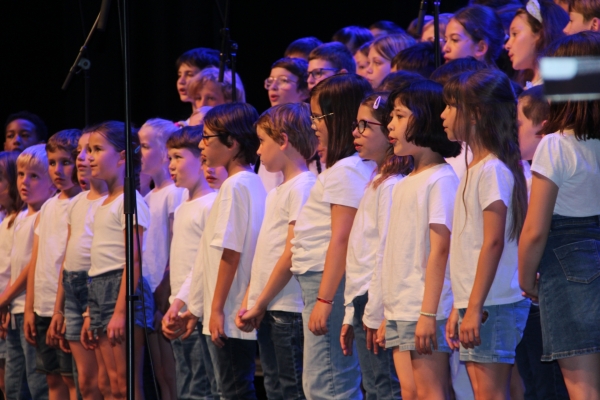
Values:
[(195, 373), (328, 374), (378, 372), (234, 368), (20, 366), (543, 380), (281, 342), (75, 284)]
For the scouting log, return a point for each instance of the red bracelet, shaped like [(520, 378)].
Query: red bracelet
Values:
[(330, 302)]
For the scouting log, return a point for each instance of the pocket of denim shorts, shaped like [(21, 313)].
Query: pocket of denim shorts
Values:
[(580, 261)]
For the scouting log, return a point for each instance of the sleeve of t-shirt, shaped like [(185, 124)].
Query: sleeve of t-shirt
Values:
[(441, 201), (298, 196), (232, 221), (550, 160), (495, 183), (345, 186), (36, 230), (142, 213)]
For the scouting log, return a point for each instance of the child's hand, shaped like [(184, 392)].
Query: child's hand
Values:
[(216, 327), (172, 325), (56, 327), (346, 339), (190, 321), (317, 323), (470, 327), (372, 344), (254, 315), (381, 334), (242, 325), (532, 292), (4, 322), (29, 328), (116, 329), (452, 330), (425, 335), (86, 337)]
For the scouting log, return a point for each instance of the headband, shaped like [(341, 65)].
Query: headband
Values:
[(533, 8)]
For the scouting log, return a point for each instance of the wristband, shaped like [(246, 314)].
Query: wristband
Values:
[(330, 302), (58, 312), (85, 314), (428, 314)]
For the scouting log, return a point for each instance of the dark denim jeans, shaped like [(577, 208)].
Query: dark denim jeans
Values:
[(281, 342), (379, 377), (195, 373), (234, 368), (543, 380)]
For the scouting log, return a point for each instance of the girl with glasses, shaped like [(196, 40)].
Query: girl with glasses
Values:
[(287, 82)]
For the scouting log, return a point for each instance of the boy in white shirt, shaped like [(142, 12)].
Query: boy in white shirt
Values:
[(195, 374), (274, 300), (51, 234), (35, 187), (162, 202)]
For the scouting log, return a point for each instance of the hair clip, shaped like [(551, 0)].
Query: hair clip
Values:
[(137, 149), (533, 8), (376, 104)]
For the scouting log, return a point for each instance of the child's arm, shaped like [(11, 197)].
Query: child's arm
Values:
[(425, 333), (494, 222), (58, 317), (244, 326), (342, 218), (227, 269), (116, 327), (29, 316), (163, 290), (535, 232), (280, 277)]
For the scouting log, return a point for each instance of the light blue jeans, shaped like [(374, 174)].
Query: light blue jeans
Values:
[(328, 374)]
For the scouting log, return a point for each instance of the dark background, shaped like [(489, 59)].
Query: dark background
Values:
[(40, 40)]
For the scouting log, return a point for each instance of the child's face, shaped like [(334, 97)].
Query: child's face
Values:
[(209, 95), (319, 70), (379, 68), (284, 88), (5, 200), (20, 134), (214, 176), (449, 117), (521, 44), (61, 167), (83, 165), (185, 168), (34, 185), (214, 153), (578, 24), (106, 163), (362, 63), (397, 127), (372, 143), (270, 152), (153, 153), (184, 73), (528, 137), (459, 43), (320, 128)]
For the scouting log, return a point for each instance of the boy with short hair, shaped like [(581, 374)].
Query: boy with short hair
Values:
[(274, 300), (195, 374), (584, 15), (205, 90), (23, 129), (301, 48), (35, 187), (419, 58), (329, 59), (189, 64), (47, 257)]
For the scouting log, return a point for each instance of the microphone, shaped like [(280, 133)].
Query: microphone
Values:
[(421, 17), (103, 17)]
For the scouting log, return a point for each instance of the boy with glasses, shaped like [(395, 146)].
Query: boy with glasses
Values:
[(329, 59)]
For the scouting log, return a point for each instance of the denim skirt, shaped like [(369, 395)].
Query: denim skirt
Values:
[(569, 288)]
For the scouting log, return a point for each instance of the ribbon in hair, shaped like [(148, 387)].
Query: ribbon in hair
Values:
[(376, 103), (533, 8)]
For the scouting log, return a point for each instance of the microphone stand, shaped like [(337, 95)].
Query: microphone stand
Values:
[(228, 55), (436, 27)]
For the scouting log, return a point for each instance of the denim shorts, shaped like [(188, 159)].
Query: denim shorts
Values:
[(102, 298), (401, 334), (2, 349), (500, 333), (569, 288), (50, 360), (75, 284)]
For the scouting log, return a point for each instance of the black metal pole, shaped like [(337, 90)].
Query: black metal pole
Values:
[(225, 50), (436, 33), (421, 17)]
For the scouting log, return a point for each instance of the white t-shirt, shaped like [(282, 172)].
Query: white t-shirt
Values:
[(528, 176), (80, 216), (417, 202), (52, 232), (189, 223), (282, 207), (458, 162), (6, 244), (108, 243), (489, 180), (162, 204), (271, 180), (21, 254), (342, 184), (365, 250), (574, 166), (233, 223)]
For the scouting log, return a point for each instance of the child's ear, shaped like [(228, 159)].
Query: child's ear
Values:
[(544, 123), (343, 71), (481, 48), (595, 26), (284, 141)]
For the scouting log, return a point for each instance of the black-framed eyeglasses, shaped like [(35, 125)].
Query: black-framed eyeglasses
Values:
[(205, 137), (318, 73), (315, 118), (362, 125)]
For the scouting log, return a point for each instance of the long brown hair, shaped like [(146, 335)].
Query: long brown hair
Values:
[(8, 169), (487, 97)]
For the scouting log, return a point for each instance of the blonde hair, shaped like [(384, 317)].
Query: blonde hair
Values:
[(34, 157), (211, 74), (161, 128)]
